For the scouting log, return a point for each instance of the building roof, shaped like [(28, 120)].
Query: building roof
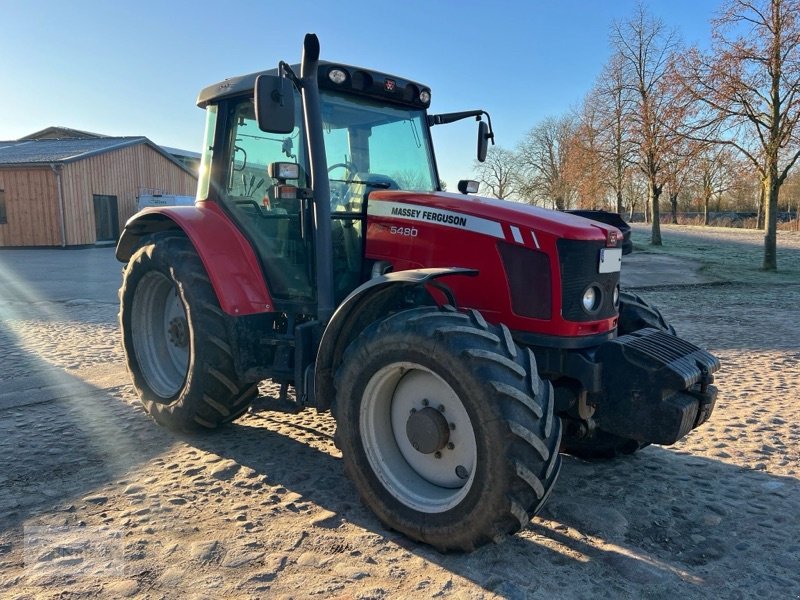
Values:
[(26, 152), (58, 132), (182, 153)]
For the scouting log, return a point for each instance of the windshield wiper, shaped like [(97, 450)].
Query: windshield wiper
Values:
[(376, 184)]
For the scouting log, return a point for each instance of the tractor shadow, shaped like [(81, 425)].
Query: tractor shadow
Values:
[(662, 519), (62, 438)]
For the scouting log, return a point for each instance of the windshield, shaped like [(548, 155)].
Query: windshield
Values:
[(379, 145)]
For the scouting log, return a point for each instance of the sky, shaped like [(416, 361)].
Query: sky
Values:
[(135, 67)]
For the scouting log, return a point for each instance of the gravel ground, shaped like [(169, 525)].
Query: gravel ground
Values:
[(98, 501)]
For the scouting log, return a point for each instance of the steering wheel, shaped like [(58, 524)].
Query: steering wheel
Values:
[(339, 188), (349, 168)]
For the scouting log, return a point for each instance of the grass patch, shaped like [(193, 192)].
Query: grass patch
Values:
[(734, 255)]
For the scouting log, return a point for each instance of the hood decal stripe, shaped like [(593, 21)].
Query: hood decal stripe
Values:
[(436, 216)]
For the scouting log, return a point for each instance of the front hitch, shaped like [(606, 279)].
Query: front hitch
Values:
[(656, 387)]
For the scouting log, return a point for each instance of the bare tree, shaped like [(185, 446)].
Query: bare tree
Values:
[(743, 191), (499, 172), (790, 194), (585, 167), (635, 189), (645, 49), (678, 171), (542, 156), (749, 82), (714, 170), (613, 102)]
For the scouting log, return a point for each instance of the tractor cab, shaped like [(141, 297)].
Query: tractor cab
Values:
[(375, 136)]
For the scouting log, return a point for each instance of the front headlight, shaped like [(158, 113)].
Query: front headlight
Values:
[(337, 76), (591, 299)]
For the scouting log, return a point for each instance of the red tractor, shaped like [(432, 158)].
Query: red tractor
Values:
[(452, 337)]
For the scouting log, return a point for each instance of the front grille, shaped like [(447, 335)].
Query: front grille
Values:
[(580, 260), (528, 275)]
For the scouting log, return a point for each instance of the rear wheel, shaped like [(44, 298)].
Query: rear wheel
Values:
[(634, 314), (176, 339), (446, 428)]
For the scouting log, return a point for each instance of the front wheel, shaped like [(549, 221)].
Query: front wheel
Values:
[(635, 313), (176, 339), (446, 428)]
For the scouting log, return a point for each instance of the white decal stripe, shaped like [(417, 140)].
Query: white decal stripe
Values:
[(517, 234), (535, 240), (423, 214)]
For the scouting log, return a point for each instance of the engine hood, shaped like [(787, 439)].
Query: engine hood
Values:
[(539, 220)]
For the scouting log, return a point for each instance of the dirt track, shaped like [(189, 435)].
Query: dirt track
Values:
[(97, 501)]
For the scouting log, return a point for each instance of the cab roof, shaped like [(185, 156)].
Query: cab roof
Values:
[(358, 81)]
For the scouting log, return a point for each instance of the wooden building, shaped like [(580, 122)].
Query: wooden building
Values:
[(79, 191)]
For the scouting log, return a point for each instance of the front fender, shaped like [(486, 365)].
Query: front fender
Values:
[(232, 265), (366, 304)]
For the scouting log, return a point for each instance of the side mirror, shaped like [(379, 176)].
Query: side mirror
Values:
[(483, 140), (468, 186), (274, 100)]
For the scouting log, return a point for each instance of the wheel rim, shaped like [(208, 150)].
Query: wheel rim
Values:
[(160, 332), (405, 404)]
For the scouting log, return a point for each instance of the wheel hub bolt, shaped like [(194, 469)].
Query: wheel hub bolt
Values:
[(178, 332), (438, 454), (427, 431), (450, 445)]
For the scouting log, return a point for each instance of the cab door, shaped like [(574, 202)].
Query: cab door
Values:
[(276, 228)]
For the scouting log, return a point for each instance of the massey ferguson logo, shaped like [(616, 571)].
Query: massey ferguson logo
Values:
[(389, 85), (426, 215)]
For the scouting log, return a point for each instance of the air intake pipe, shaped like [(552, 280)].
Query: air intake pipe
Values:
[(320, 186)]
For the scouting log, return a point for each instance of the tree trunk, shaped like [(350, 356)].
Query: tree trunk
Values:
[(796, 215), (706, 202), (620, 206), (655, 192), (673, 202), (771, 189), (760, 209)]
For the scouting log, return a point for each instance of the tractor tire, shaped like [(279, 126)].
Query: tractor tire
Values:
[(446, 428), (634, 314), (175, 337)]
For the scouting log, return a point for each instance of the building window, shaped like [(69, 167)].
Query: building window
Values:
[(3, 218)]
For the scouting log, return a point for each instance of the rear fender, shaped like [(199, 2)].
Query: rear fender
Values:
[(366, 304), (227, 256)]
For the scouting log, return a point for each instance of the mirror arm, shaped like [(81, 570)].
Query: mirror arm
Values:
[(446, 118), (490, 135), (285, 70)]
